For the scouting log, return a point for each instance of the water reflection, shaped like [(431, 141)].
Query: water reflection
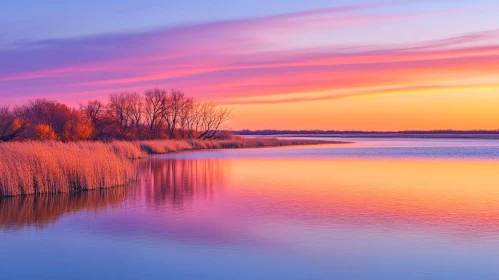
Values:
[(458, 198), (455, 197), (178, 182), (161, 183), (41, 210), (265, 217)]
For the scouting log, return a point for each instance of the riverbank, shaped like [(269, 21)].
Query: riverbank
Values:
[(56, 167)]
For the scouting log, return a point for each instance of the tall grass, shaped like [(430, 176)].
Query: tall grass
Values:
[(164, 146), (139, 149), (55, 167), (240, 142)]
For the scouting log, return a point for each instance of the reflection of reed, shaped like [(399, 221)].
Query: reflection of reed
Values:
[(176, 181), (161, 182), (40, 210)]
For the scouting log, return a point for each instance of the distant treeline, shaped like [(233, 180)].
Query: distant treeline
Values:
[(350, 132), (155, 114)]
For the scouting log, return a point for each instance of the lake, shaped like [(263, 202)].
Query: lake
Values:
[(373, 209)]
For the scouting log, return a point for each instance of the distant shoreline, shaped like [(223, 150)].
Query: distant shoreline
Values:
[(421, 135)]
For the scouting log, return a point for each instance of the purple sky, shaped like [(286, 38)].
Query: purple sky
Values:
[(249, 52)]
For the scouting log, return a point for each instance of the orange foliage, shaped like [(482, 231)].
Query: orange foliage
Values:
[(45, 132), (78, 129), (17, 124)]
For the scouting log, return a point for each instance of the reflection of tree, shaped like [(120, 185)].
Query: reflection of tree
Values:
[(40, 210), (176, 181)]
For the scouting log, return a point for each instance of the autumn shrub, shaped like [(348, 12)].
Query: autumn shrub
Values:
[(45, 132)]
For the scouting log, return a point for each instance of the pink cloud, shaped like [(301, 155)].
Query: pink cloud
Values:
[(240, 58)]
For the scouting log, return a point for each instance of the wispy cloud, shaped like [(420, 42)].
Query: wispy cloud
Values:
[(247, 57), (358, 93)]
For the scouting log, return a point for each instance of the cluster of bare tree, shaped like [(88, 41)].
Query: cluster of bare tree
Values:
[(156, 114)]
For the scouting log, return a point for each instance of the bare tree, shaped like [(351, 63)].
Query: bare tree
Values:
[(118, 109), (193, 118), (212, 119), (13, 123), (185, 115), (134, 108), (93, 111), (39, 109), (155, 107), (176, 100)]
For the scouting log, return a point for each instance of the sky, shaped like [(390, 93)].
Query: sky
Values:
[(281, 64)]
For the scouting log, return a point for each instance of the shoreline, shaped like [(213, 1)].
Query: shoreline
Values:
[(28, 168), (478, 136)]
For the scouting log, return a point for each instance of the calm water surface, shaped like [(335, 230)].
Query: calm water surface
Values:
[(374, 209)]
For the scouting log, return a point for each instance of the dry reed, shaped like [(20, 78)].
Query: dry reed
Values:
[(55, 167), (140, 149)]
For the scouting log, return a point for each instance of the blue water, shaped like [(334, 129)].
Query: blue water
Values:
[(373, 209)]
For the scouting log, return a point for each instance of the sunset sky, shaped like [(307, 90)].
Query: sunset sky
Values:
[(280, 64)]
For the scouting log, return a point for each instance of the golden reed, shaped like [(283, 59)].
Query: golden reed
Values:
[(55, 167)]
